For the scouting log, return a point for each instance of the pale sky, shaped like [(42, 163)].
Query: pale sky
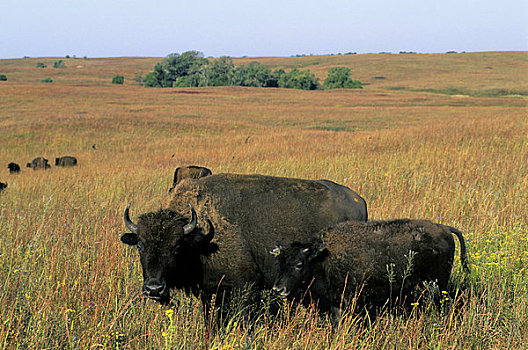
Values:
[(109, 28)]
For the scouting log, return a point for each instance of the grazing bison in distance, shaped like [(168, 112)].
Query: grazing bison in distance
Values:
[(66, 161), (189, 172), (14, 168), (248, 214), (38, 163), (355, 258), (3, 186)]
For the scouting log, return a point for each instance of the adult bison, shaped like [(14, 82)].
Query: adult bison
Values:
[(189, 172), (356, 258), (66, 161), (14, 168), (240, 218), (38, 163)]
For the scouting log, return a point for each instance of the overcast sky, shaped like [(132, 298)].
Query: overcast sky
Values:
[(108, 28)]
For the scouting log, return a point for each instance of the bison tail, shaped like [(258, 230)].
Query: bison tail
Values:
[(463, 253)]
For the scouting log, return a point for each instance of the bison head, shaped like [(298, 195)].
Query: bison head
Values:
[(169, 246), (296, 265)]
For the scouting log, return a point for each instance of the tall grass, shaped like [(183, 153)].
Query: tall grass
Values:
[(68, 282)]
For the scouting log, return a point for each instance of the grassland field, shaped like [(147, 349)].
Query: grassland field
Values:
[(433, 136)]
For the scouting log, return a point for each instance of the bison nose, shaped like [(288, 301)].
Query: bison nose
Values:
[(281, 291), (155, 290)]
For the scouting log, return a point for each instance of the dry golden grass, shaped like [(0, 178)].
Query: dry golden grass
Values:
[(461, 160)]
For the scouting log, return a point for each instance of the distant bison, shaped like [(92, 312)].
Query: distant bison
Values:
[(66, 161), (189, 172), (356, 257), (14, 168), (3, 185), (38, 163), (240, 218)]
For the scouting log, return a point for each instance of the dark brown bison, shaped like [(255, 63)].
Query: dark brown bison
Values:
[(240, 218), (66, 161), (14, 168), (189, 172), (38, 163), (3, 186), (356, 258)]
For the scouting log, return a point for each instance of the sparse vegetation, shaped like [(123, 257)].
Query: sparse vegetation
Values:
[(68, 282), (47, 80), (41, 65), (3, 77), (59, 64)]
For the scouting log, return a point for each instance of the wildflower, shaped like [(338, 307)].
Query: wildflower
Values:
[(415, 304), (169, 312)]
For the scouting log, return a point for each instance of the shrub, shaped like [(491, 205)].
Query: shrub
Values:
[(47, 80), (299, 79), (339, 78), (3, 77), (118, 79), (41, 65), (252, 74), (59, 64), (221, 72)]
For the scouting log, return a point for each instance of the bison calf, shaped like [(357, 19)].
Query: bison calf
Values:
[(66, 161), (3, 185), (189, 172), (14, 168), (377, 261), (38, 163)]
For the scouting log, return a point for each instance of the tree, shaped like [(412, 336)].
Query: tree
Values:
[(299, 79), (339, 78), (221, 72), (253, 74), (187, 69)]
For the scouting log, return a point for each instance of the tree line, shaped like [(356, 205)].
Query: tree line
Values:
[(192, 69)]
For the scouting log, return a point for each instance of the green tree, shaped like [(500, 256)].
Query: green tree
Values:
[(3, 77), (186, 69), (339, 78), (299, 79), (253, 74), (221, 72)]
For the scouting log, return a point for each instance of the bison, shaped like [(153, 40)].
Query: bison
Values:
[(189, 172), (66, 161), (38, 163), (14, 168), (356, 258), (3, 186), (240, 218)]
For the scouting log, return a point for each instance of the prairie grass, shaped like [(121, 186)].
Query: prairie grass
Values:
[(68, 282)]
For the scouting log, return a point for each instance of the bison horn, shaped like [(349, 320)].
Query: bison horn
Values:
[(191, 225), (129, 224), (210, 235)]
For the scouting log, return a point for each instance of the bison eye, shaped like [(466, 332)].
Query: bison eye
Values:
[(176, 249), (299, 266)]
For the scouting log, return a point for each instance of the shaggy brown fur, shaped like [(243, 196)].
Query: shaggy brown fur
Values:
[(66, 161), (189, 172), (38, 163), (354, 257), (250, 215)]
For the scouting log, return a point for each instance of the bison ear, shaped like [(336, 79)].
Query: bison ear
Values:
[(129, 238)]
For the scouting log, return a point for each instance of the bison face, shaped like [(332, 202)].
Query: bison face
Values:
[(169, 248), (296, 264)]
